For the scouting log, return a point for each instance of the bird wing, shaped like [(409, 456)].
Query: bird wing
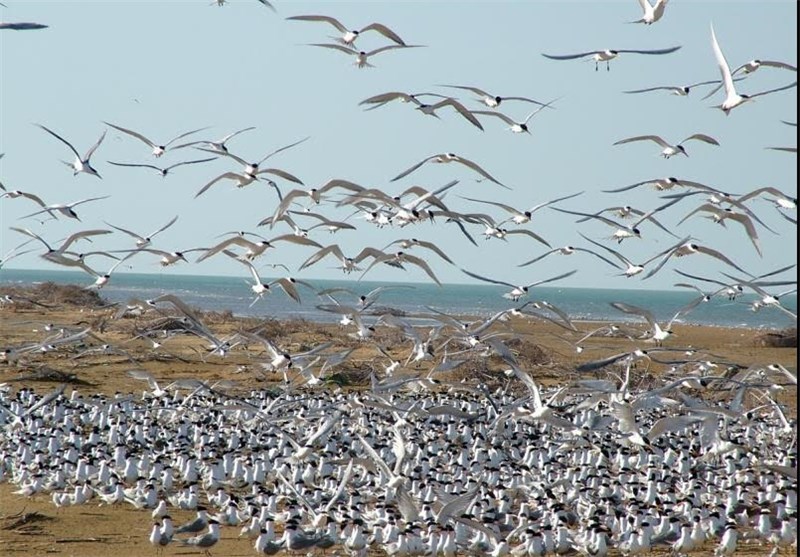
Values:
[(419, 262), (281, 173), (288, 287), (132, 133), (654, 138), (569, 56), (434, 248), (225, 176), (503, 206), (784, 88), (484, 279), (495, 114), (391, 47), (468, 163), (163, 228), (61, 139), (385, 31), (546, 203), (413, 168), (135, 165), (613, 252), (606, 220), (461, 109), (655, 51), (662, 88), (552, 279), (598, 256), (749, 227), (176, 138), (340, 48), (630, 187), (722, 63), (529, 233), (324, 18), (333, 248), (702, 137), (636, 310), (384, 98), (722, 257), (78, 235), (535, 259), (475, 90), (94, 147), (284, 148), (190, 162)]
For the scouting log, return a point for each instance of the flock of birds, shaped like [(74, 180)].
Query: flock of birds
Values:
[(416, 465)]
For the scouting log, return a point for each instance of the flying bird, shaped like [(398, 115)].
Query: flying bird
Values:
[(349, 36), (679, 90), (82, 163), (720, 215), (607, 55), (514, 126), (651, 12), (144, 241), (670, 150), (161, 170), (66, 209), (218, 146), (517, 291), (520, 217), (158, 149), (492, 101), (732, 98), (362, 56), (688, 247), (444, 158)]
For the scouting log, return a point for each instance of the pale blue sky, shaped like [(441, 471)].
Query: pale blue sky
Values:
[(162, 68)]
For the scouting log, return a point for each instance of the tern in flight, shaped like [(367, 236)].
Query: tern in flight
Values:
[(517, 291), (218, 146), (66, 209), (624, 231), (679, 90), (82, 163), (608, 55), (362, 56), (349, 36), (492, 101), (253, 169), (444, 158), (658, 334), (158, 149), (750, 67), (144, 241), (652, 12), (519, 217), (514, 126), (261, 288), (670, 150), (165, 170), (732, 98), (688, 247)]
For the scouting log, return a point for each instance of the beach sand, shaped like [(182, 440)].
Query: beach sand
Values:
[(33, 526)]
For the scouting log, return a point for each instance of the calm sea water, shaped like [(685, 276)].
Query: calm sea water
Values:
[(233, 293)]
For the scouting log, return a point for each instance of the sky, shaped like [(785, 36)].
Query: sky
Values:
[(163, 68)]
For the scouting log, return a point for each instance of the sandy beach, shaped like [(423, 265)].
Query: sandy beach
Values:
[(33, 526)]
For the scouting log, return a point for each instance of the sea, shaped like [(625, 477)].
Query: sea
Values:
[(220, 293)]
